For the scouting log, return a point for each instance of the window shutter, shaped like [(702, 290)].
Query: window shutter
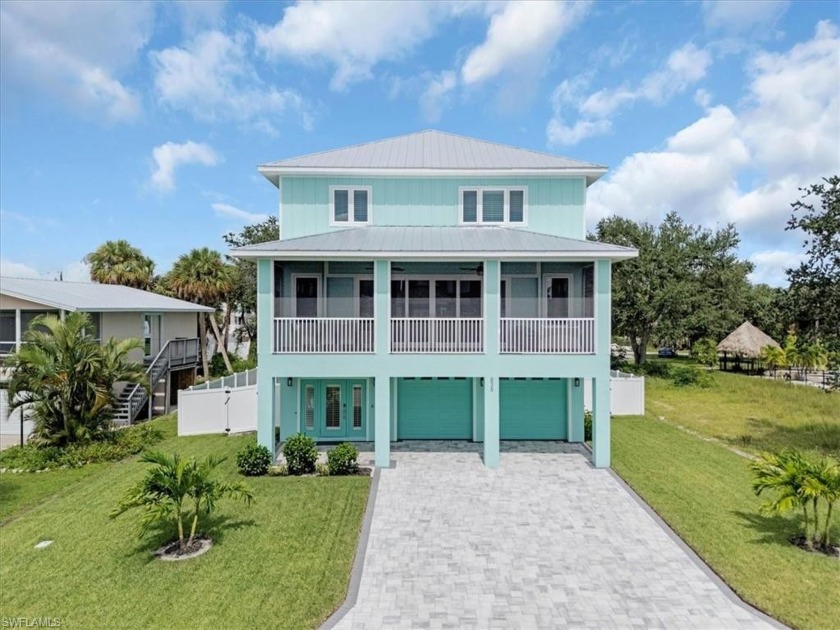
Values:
[(517, 206), (470, 203), (493, 206), (340, 205), (360, 206)]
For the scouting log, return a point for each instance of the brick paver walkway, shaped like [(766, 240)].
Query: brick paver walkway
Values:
[(545, 541)]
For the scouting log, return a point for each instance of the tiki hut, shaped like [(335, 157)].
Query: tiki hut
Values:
[(741, 349)]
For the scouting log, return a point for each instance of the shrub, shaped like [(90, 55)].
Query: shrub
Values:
[(687, 375), (705, 351), (587, 426), (322, 470), (301, 454), (278, 471), (342, 459), (254, 460), (657, 369)]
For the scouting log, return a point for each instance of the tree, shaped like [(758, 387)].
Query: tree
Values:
[(66, 378), (768, 309), (773, 358), (705, 351), (118, 262), (202, 276), (176, 491), (244, 293), (815, 283)]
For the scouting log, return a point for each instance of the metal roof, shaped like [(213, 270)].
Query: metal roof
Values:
[(89, 296), (434, 242), (431, 152)]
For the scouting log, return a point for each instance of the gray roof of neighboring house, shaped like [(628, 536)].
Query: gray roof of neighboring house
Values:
[(431, 242), (431, 151), (89, 296)]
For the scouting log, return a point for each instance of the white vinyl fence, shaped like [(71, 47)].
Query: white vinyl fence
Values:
[(215, 406), (627, 394)]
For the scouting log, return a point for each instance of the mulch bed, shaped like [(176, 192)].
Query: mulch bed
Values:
[(833, 550), (173, 552)]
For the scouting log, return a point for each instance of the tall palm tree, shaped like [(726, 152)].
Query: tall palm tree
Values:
[(118, 262), (202, 276), (66, 378)]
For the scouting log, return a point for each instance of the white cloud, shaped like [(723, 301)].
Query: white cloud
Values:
[(171, 155), (770, 266), (685, 66), (11, 269), (353, 36), (212, 78), (520, 38), (72, 272), (197, 15), (437, 94), (703, 98), (227, 210), (735, 17), (65, 51)]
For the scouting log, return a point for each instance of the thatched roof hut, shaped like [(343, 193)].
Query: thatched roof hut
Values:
[(746, 341)]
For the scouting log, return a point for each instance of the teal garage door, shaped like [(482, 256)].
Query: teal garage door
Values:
[(434, 409), (532, 409)]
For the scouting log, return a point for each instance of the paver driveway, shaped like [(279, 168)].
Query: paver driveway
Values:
[(545, 541)]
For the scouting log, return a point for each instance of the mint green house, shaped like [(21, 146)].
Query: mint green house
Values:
[(433, 287)]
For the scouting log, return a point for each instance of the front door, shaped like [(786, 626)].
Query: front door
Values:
[(307, 291), (557, 292), (333, 409)]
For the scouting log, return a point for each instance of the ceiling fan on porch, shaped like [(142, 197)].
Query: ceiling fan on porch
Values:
[(477, 270), (393, 268)]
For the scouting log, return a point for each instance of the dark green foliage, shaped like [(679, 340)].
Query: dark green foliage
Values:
[(657, 369), (587, 426), (114, 446), (301, 454), (705, 351), (688, 375), (342, 460), (254, 460)]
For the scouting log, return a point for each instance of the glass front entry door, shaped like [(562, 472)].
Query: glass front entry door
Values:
[(333, 409), (557, 296)]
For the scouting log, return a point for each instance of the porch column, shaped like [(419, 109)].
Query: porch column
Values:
[(491, 308), (381, 307), (265, 341), (491, 422), (382, 428), (576, 432), (601, 421), (18, 332)]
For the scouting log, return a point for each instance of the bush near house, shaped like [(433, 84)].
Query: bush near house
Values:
[(587, 426), (254, 460), (301, 454), (687, 375), (342, 460)]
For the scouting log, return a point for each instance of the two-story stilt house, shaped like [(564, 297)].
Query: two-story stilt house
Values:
[(434, 287)]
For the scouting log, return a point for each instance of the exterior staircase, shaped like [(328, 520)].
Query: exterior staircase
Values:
[(176, 354)]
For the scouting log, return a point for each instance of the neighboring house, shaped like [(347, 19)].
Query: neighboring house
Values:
[(166, 326), (433, 286)]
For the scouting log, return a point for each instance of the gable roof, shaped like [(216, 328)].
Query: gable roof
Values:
[(90, 296), (431, 152), (746, 341), (435, 242)]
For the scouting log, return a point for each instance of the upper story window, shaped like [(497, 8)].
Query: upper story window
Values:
[(493, 205), (349, 204)]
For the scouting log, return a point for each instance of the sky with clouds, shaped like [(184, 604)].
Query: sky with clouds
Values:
[(146, 121)]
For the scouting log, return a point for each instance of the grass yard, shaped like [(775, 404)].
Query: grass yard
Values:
[(282, 563), (751, 413), (703, 489)]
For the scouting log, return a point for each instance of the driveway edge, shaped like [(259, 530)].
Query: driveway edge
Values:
[(358, 559)]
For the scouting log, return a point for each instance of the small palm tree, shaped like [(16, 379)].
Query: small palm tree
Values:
[(773, 358), (118, 262), (175, 490), (785, 474), (66, 378), (202, 276)]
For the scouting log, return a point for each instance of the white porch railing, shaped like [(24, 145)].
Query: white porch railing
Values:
[(315, 335), (426, 335), (533, 335)]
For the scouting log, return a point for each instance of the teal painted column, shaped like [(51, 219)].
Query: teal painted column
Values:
[(491, 351), (382, 382), (576, 432), (601, 383), (265, 339), (382, 421)]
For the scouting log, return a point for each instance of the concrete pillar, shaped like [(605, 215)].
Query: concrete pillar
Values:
[(601, 421), (492, 313), (491, 421), (382, 427), (575, 392), (265, 342), (382, 306)]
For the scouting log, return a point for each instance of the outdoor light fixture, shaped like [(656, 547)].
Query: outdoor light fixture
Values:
[(289, 382), (481, 381), (577, 382)]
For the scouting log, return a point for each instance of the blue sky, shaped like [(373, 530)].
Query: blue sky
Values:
[(146, 121)]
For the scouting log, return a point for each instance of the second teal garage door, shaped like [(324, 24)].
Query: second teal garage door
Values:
[(434, 409), (534, 409)]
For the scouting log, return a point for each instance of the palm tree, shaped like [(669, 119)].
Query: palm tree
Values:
[(66, 378), (202, 276), (118, 262), (785, 474), (173, 488), (773, 357)]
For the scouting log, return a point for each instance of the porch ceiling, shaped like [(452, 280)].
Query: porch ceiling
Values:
[(399, 242)]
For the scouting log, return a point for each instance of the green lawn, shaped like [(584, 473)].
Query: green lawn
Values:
[(751, 413), (284, 562), (703, 489)]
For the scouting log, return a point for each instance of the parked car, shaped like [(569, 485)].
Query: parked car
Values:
[(667, 353)]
